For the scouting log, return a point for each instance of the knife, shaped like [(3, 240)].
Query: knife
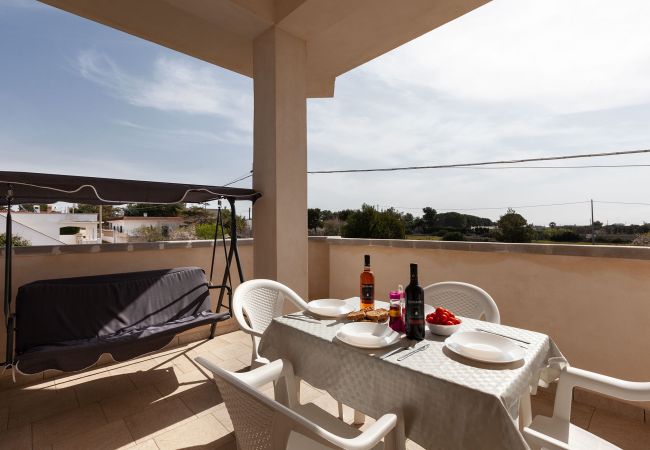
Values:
[(424, 347)]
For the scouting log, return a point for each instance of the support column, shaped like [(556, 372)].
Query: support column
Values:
[(280, 159)]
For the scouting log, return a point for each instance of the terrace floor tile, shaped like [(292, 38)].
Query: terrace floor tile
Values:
[(111, 436)]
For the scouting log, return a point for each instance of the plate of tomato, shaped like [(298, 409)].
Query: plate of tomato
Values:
[(443, 322)]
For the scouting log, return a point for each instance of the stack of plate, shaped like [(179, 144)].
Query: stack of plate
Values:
[(368, 334)]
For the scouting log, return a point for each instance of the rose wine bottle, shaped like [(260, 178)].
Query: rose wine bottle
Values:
[(414, 307), (367, 280)]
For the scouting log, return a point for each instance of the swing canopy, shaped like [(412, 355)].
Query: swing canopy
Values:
[(50, 188), (66, 324)]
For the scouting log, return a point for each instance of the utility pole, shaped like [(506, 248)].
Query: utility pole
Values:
[(593, 236)]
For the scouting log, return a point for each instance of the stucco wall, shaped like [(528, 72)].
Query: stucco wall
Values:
[(594, 302), (39, 263)]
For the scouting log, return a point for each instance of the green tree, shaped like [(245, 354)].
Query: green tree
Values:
[(108, 211), (314, 219), (139, 209), (197, 214), (512, 227), (16, 241), (370, 223), (151, 233), (428, 220), (452, 220), (453, 236)]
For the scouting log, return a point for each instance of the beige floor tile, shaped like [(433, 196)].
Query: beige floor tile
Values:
[(308, 393), (580, 414), (203, 398), (64, 426), (130, 403), (183, 382), (102, 388), (158, 419), (114, 435), (626, 433), (610, 404), (7, 382), (146, 445), (36, 405), (233, 365), (4, 417), (230, 351), (410, 445), (221, 413), (155, 375), (16, 438), (203, 432)]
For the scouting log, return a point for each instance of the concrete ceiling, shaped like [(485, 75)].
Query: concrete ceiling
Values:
[(340, 34)]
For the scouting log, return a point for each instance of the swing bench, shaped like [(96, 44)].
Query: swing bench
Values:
[(67, 324)]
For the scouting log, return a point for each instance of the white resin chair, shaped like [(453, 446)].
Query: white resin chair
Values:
[(260, 301), (462, 299), (262, 423), (557, 432)]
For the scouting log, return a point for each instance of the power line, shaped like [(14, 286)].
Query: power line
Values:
[(485, 163), (240, 178), (492, 207), (594, 166)]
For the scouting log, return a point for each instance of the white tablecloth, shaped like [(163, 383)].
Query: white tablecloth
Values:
[(447, 401)]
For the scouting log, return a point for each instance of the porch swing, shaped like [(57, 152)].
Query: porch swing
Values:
[(67, 324)]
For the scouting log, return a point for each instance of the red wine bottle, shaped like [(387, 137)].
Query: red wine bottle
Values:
[(414, 307)]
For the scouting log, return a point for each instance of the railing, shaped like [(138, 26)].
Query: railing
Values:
[(594, 301)]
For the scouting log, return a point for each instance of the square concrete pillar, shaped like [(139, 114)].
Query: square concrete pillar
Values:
[(280, 159)]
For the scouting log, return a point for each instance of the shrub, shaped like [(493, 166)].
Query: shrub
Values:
[(642, 240), (16, 241), (453, 236)]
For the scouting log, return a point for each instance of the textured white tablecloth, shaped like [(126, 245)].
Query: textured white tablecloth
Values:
[(448, 401)]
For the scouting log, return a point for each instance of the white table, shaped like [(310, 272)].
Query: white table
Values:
[(447, 401)]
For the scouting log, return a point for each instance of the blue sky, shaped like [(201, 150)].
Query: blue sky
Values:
[(513, 79)]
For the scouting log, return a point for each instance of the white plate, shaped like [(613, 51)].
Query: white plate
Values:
[(484, 347), (329, 307), (368, 334)]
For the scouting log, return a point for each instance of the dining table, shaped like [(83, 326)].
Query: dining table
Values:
[(447, 401)]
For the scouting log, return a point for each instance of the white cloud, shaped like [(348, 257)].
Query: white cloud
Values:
[(565, 56), (175, 85)]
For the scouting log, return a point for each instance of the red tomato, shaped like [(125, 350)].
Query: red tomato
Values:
[(449, 322)]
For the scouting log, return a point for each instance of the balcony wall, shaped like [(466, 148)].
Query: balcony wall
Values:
[(39, 263), (593, 301)]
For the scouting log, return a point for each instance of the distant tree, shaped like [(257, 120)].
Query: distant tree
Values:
[(562, 235), (452, 220), (332, 227), (326, 214), (16, 241), (428, 220), (598, 225), (139, 209), (344, 213), (453, 236), (314, 219), (108, 211), (409, 223), (552, 225), (370, 223), (642, 240), (197, 214), (512, 227), (151, 233)]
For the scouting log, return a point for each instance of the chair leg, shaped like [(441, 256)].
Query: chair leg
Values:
[(340, 410), (359, 418), (525, 411)]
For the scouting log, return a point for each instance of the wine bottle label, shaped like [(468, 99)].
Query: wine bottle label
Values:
[(367, 292)]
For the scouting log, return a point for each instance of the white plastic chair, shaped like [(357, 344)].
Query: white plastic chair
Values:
[(260, 301), (261, 423), (557, 432), (462, 299)]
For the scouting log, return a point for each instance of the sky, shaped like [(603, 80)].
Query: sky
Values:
[(512, 79)]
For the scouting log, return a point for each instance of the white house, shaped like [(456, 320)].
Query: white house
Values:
[(125, 229), (45, 228)]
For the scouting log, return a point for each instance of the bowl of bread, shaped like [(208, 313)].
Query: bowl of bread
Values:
[(379, 315)]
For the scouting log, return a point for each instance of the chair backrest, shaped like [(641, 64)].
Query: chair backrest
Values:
[(259, 422), (463, 299), (261, 301)]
